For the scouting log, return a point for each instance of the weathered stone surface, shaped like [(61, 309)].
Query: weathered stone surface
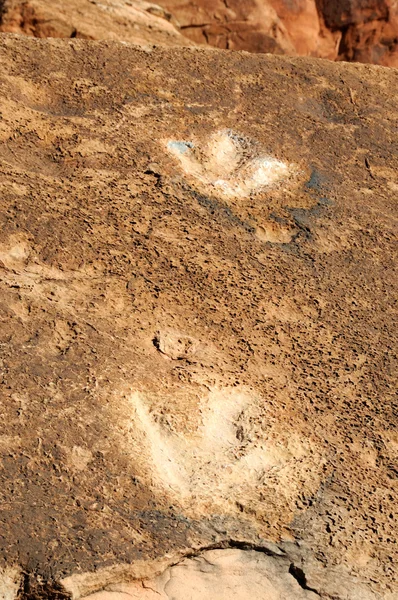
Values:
[(236, 574), (135, 21), (306, 28), (369, 29), (221, 574), (354, 30), (198, 316), (251, 25), (272, 26)]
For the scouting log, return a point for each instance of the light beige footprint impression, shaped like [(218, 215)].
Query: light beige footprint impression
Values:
[(233, 170), (225, 462), (229, 165)]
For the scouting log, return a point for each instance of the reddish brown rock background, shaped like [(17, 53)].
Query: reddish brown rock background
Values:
[(133, 21), (351, 30)]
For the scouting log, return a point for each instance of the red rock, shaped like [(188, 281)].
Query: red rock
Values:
[(133, 21), (306, 28), (251, 25), (369, 29), (350, 30), (353, 30)]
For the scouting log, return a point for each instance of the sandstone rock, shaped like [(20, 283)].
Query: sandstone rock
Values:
[(10, 582), (354, 30), (306, 28), (217, 574), (251, 25), (134, 21), (198, 335), (369, 29)]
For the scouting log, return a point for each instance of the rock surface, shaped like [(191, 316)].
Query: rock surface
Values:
[(198, 308), (135, 21), (222, 574), (369, 29), (252, 25), (353, 30)]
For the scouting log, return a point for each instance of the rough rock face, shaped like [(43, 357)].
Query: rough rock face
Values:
[(369, 29), (198, 344), (351, 30), (251, 25), (359, 30), (133, 21), (255, 25)]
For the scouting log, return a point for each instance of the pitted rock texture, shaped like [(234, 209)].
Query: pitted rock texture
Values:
[(198, 308)]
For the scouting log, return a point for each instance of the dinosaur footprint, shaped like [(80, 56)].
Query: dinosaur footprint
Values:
[(229, 167), (224, 463)]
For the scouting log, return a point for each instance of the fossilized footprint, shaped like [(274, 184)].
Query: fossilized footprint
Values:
[(224, 463), (229, 165), (232, 169)]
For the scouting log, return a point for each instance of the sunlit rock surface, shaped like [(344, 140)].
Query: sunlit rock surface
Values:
[(353, 30), (198, 343), (135, 21)]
